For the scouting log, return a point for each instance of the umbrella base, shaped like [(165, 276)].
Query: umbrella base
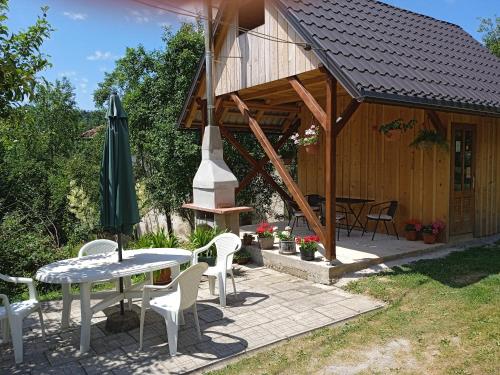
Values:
[(117, 322)]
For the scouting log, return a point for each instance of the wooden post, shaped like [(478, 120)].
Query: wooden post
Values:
[(292, 186), (330, 182)]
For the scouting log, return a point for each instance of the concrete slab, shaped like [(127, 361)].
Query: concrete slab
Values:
[(270, 307), (354, 253)]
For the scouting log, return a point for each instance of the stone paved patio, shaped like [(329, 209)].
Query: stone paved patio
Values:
[(270, 307)]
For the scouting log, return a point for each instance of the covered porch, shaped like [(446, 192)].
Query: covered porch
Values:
[(353, 253)]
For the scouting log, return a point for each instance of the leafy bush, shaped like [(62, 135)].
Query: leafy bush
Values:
[(155, 240), (23, 252), (202, 235)]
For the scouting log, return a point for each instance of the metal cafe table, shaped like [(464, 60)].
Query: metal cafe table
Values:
[(104, 267), (360, 204)]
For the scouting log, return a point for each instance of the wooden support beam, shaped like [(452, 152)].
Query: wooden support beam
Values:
[(249, 177), (249, 158), (265, 107), (308, 99), (282, 88), (436, 122), (330, 160), (346, 115), (292, 186)]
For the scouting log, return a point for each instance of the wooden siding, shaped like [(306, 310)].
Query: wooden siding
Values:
[(249, 60), (370, 166)]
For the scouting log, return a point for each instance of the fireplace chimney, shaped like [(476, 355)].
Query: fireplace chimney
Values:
[(214, 183)]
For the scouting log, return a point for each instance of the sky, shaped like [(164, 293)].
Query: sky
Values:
[(90, 36)]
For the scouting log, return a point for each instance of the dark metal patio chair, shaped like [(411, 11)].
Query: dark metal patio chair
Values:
[(386, 213), (295, 213)]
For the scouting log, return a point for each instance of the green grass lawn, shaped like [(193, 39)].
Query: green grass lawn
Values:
[(442, 317)]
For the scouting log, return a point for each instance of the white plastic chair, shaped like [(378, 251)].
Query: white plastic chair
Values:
[(227, 244), (95, 247), (13, 314), (182, 295)]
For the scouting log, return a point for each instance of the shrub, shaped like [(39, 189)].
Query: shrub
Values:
[(202, 235), (155, 239), (23, 251)]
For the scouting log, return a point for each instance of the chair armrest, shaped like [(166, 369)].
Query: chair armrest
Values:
[(21, 280)]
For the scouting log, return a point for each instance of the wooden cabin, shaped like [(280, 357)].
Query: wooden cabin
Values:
[(350, 66)]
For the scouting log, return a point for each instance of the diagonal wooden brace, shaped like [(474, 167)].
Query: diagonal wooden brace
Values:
[(284, 138), (317, 111), (246, 155), (280, 168)]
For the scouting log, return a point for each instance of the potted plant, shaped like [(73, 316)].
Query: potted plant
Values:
[(242, 257), (393, 130), (287, 242), (429, 137), (247, 239), (307, 246), (200, 237), (431, 231), (265, 234), (310, 140), (412, 227)]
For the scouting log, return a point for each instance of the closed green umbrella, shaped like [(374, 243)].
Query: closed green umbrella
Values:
[(119, 210)]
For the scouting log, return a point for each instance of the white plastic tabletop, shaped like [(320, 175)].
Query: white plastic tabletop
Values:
[(106, 266)]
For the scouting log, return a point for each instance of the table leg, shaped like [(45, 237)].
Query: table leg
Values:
[(86, 314), (67, 299), (356, 217)]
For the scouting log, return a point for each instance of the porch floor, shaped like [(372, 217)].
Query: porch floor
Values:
[(353, 253)]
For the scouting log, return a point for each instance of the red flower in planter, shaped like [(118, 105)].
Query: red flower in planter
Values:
[(264, 230)]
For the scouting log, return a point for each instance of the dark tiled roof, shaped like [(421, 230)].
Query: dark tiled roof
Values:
[(380, 51)]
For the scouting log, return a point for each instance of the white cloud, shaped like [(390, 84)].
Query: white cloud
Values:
[(99, 55), (164, 24), (139, 16), (76, 16)]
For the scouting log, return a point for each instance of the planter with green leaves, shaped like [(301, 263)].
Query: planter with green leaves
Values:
[(158, 239), (287, 242), (265, 233), (200, 237), (242, 257), (412, 229), (431, 232), (307, 246), (393, 130), (247, 239), (427, 138), (310, 140)]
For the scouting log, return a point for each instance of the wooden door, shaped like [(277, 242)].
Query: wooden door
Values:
[(462, 184)]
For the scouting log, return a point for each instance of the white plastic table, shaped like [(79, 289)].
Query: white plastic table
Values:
[(104, 267)]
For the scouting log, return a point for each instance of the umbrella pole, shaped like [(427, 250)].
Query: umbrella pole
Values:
[(120, 258)]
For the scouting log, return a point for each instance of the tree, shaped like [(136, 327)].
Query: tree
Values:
[(20, 59), (154, 86), (491, 34)]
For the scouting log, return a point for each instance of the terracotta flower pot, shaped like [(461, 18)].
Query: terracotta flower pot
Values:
[(393, 135), (163, 277), (266, 243), (411, 235), (312, 149), (429, 238)]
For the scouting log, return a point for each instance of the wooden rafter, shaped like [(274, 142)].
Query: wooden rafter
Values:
[(330, 161), (284, 138), (292, 186), (346, 115), (281, 89), (249, 158), (317, 111), (258, 106)]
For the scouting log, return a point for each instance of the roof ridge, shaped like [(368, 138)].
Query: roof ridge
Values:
[(415, 13)]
